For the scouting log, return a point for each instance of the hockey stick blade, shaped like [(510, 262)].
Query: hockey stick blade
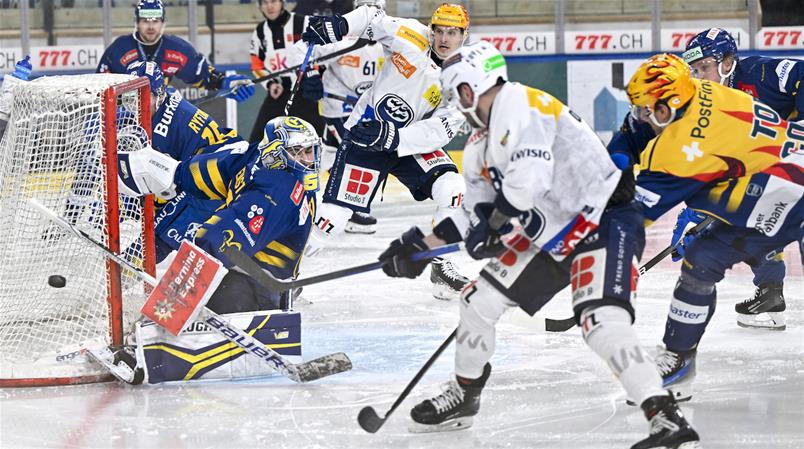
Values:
[(251, 268), (563, 325), (323, 366), (369, 420)]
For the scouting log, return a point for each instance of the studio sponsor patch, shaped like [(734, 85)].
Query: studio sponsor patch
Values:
[(430, 160), (587, 276), (357, 185)]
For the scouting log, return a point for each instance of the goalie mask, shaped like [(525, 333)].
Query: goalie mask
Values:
[(290, 143), (155, 77), (481, 67)]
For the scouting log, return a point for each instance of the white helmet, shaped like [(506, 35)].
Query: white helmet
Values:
[(378, 3), (480, 65)]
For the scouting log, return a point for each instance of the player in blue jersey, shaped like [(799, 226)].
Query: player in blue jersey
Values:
[(269, 190), (775, 82), (175, 56), (712, 55)]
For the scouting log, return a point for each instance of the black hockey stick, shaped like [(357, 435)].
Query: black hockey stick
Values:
[(251, 268), (368, 418), (568, 323), (298, 372), (360, 43), (299, 76)]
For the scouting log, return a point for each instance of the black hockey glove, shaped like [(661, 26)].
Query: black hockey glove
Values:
[(396, 258), (488, 225), (312, 86), (325, 30), (375, 135)]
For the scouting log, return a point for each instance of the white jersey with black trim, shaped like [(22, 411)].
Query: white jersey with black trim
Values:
[(546, 162), (347, 76), (407, 90)]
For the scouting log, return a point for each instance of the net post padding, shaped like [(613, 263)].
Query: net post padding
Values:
[(61, 148)]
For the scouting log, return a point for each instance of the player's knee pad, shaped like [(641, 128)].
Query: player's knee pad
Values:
[(607, 331), (330, 221), (481, 307), (690, 311), (447, 192)]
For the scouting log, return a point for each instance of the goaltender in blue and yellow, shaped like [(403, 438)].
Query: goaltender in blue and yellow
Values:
[(274, 179)]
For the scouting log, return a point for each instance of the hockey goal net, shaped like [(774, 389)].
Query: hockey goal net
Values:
[(60, 148)]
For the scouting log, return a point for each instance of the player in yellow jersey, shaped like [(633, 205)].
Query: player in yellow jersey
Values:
[(726, 155)]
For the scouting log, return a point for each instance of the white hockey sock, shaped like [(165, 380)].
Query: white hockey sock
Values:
[(481, 307), (607, 330), (329, 223), (447, 192)]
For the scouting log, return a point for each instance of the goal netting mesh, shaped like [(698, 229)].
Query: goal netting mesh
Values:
[(59, 148)]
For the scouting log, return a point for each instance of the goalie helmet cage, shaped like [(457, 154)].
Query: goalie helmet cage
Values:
[(60, 147)]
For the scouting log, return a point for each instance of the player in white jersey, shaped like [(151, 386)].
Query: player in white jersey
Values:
[(337, 85), (398, 126), (534, 160)]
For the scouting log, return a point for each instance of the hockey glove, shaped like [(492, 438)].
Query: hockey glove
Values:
[(242, 87), (687, 218), (324, 30), (312, 87), (375, 135), (146, 171), (396, 259), (487, 225)]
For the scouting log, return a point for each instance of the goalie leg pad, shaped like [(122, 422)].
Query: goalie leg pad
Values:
[(607, 331), (201, 353), (481, 307)]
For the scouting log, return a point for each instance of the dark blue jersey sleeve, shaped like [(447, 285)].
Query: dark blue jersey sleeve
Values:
[(632, 137), (219, 171), (777, 82)]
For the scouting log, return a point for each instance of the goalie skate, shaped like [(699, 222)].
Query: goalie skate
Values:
[(361, 223), (764, 311), (119, 362)]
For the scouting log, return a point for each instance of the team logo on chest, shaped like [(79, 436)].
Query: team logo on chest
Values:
[(392, 108)]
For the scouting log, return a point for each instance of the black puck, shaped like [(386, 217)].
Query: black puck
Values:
[(56, 281)]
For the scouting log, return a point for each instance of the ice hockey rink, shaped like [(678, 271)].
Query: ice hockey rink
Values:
[(547, 390)]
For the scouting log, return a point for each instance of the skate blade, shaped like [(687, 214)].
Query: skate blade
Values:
[(773, 321), (354, 228), (444, 293), (446, 426), (690, 445)]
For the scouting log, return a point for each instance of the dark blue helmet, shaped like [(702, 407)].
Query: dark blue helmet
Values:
[(714, 42), (291, 143), (154, 74), (149, 10)]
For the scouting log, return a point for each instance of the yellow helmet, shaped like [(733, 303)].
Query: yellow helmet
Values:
[(450, 15), (662, 77)]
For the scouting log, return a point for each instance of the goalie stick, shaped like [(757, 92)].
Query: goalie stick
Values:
[(568, 323), (298, 372), (360, 43)]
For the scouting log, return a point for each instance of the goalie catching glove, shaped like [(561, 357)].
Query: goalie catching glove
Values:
[(146, 171)]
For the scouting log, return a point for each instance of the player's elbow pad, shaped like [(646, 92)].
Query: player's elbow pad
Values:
[(146, 171)]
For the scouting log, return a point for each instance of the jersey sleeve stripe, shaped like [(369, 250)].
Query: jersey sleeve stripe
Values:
[(195, 170), (216, 178)]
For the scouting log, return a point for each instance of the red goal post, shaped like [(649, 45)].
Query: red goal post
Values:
[(60, 147)]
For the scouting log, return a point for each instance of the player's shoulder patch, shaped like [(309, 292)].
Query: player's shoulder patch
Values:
[(413, 36), (297, 194), (783, 70)]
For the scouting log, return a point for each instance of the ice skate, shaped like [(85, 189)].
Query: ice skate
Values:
[(668, 427), (452, 409), (447, 281), (361, 223), (121, 363), (765, 310), (678, 371)]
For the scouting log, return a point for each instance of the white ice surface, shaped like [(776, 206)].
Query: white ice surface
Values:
[(546, 390)]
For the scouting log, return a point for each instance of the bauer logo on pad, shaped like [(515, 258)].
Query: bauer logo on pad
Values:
[(185, 288)]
